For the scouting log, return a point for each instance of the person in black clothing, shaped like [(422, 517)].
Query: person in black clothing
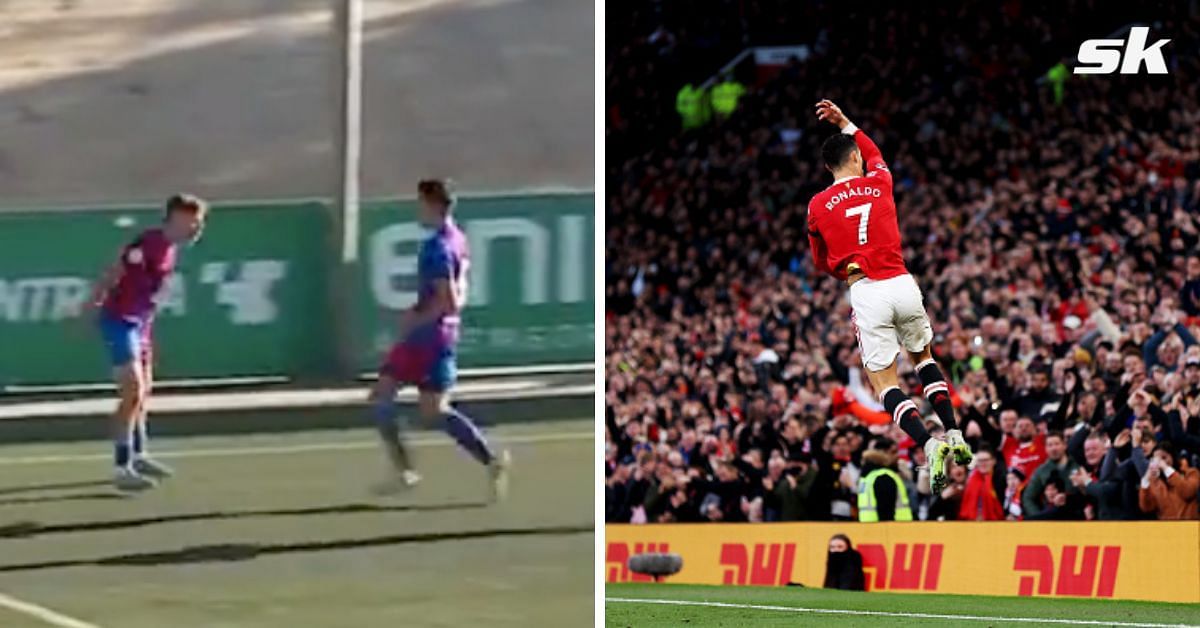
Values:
[(756, 434), (792, 441), (1184, 410), (790, 490), (1105, 493), (844, 566), (1189, 294), (1038, 402), (1059, 504), (834, 497), (617, 503), (721, 498)]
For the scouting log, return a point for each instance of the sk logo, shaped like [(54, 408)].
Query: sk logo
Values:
[(1103, 56), (1076, 570), (911, 571), (616, 559)]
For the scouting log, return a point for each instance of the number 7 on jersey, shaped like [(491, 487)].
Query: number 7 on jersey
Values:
[(864, 213)]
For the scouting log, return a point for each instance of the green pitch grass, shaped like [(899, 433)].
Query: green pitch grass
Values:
[(859, 609), (280, 530)]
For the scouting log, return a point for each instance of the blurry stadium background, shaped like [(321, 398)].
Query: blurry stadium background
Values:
[(107, 108), (1052, 222)]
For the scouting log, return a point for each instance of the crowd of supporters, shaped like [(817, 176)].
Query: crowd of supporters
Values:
[(1057, 246)]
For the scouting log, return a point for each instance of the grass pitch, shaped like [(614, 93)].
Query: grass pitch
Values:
[(637, 605), (280, 530)]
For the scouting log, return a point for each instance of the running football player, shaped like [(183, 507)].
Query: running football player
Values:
[(425, 355), (855, 236), (125, 297)]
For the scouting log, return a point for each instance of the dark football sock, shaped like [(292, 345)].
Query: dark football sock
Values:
[(141, 440), (384, 413), (121, 452), (904, 412), (463, 430), (937, 393)]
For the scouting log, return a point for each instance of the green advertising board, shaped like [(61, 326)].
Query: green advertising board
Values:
[(531, 287), (252, 297)]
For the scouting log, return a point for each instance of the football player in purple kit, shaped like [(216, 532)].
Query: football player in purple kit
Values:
[(125, 297), (425, 355)]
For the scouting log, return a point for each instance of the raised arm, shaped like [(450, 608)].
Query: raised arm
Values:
[(873, 159)]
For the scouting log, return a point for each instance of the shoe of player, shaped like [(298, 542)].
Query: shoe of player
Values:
[(936, 451), (152, 468), (959, 447), (398, 482), (127, 480), (498, 473)]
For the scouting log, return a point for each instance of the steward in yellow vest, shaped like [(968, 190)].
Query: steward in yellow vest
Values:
[(888, 504), (689, 103), (725, 96)]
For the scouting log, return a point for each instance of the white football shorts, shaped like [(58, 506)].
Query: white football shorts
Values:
[(887, 315)]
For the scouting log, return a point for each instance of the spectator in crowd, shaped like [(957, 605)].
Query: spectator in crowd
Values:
[(1054, 241), (1058, 504), (791, 488), (844, 566), (617, 492), (1183, 416), (1015, 486), (1025, 448), (840, 482), (1189, 294), (1040, 401), (1168, 492), (724, 498), (920, 490), (1106, 490), (1058, 465), (981, 499), (1129, 473), (948, 505)]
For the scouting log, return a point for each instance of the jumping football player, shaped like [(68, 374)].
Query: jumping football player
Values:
[(125, 297), (855, 236), (425, 353)]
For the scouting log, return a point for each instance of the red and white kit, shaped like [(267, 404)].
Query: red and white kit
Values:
[(853, 222)]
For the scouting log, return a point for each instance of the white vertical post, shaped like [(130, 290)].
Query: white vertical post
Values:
[(348, 24), (347, 129)]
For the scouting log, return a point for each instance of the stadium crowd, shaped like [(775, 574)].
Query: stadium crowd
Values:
[(1057, 246)]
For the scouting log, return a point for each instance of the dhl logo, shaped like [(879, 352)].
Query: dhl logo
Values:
[(1076, 570), (616, 559), (764, 564), (915, 566)]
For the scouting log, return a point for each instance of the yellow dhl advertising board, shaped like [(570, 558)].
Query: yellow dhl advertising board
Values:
[(1150, 560)]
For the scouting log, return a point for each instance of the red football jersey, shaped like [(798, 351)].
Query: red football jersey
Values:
[(854, 220), (145, 265), (1024, 456)]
